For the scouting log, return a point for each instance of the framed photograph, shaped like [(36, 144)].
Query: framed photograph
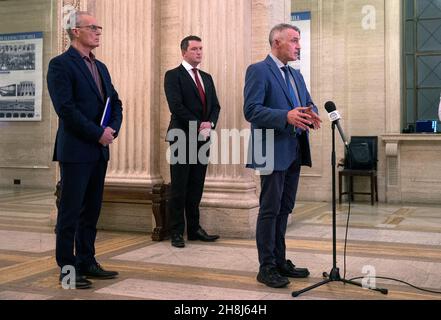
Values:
[(21, 76)]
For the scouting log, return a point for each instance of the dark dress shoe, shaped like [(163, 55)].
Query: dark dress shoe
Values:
[(202, 235), (177, 240), (97, 272), (269, 276), (80, 282), (289, 270)]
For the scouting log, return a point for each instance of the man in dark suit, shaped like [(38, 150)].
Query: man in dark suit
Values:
[(194, 108), (79, 86), (277, 102)]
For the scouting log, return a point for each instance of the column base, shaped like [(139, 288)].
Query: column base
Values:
[(229, 222), (230, 209)]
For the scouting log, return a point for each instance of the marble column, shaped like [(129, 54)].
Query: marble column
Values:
[(129, 48), (234, 35)]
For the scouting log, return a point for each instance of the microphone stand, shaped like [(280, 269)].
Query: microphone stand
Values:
[(334, 275)]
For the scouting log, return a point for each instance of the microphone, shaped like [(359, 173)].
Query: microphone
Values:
[(335, 117)]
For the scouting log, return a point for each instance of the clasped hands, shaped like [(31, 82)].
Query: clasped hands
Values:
[(304, 118), (107, 137), (205, 130)]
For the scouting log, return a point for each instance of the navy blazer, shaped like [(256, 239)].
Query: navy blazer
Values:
[(79, 106), (266, 106), (185, 102)]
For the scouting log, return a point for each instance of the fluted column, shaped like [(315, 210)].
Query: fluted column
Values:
[(230, 200), (229, 203), (231, 31), (130, 49)]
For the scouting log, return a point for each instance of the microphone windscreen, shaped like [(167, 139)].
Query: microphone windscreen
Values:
[(330, 106)]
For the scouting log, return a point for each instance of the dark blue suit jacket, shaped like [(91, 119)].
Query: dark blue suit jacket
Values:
[(79, 106), (266, 106)]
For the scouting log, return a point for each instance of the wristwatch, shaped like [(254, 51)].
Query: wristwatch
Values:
[(212, 125)]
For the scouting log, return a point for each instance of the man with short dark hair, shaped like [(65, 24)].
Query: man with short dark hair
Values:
[(79, 86), (276, 99), (193, 103)]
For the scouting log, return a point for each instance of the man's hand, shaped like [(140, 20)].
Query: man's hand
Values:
[(300, 118), (205, 130), (107, 137), (315, 119), (205, 133), (204, 125)]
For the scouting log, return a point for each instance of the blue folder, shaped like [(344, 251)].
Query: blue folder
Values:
[(105, 119)]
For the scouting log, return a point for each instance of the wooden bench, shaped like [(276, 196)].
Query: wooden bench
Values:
[(158, 196)]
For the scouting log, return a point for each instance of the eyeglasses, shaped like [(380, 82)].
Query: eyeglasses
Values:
[(92, 27)]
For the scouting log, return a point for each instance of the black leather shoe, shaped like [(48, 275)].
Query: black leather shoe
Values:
[(97, 272), (269, 276), (202, 235), (290, 270), (80, 282), (177, 240)]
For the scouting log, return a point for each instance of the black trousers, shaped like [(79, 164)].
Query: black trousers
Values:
[(187, 186), (277, 200), (82, 186)]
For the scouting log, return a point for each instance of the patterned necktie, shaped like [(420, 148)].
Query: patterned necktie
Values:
[(292, 94), (201, 92)]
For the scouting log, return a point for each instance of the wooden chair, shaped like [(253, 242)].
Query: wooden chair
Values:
[(361, 160)]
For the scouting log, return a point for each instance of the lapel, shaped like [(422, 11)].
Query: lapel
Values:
[(84, 69), (277, 73), (187, 76)]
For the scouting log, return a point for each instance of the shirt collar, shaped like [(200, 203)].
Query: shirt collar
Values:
[(91, 57), (188, 66), (277, 61)]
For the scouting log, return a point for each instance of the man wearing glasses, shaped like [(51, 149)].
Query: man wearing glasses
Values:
[(80, 86)]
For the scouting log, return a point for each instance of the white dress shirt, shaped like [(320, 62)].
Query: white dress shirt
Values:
[(190, 68)]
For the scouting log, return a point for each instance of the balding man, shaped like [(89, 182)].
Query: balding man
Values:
[(80, 86), (277, 101)]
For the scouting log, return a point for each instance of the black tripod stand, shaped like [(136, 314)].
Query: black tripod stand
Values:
[(334, 275)]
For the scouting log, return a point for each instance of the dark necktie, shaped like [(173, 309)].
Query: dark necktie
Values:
[(201, 92), (292, 94)]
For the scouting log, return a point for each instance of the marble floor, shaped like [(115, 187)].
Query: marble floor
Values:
[(394, 241)]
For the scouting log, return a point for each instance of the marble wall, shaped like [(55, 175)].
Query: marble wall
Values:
[(348, 67), (355, 63), (26, 147)]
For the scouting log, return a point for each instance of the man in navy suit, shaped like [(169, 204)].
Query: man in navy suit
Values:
[(79, 86), (281, 112), (193, 103)]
